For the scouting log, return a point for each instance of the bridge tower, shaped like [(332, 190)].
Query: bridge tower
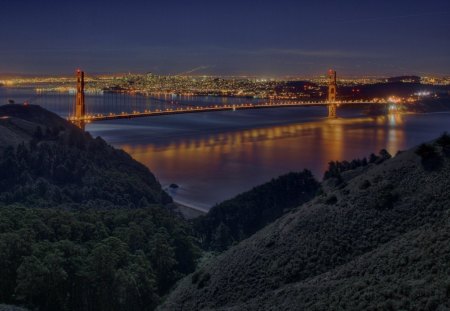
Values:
[(332, 91), (80, 107)]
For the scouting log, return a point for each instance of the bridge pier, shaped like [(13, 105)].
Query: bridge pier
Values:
[(332, 111)]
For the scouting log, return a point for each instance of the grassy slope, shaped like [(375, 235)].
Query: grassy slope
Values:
[(18, 123), (382, 244)]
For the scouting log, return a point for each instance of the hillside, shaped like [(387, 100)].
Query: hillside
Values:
[(240, 217), (376, 240), (47, 161), (18, 123), (83, 226)]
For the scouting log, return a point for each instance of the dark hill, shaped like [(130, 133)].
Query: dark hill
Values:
[(47, 162), (19, 122), (376, 241), (240, 217), (83, 226), (35, 114)]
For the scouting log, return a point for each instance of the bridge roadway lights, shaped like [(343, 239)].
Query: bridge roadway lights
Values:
[(80, 121)]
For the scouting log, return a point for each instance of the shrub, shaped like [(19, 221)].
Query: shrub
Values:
[(204, 280), (195, 277), (429, 155), (366, 184), (384, 155), (426, 152), (386, 200), (331, 200), (444, 142)]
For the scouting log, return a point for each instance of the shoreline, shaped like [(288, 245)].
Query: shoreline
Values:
[(189, 211)]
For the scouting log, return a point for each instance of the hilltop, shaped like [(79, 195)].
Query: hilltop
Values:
[(18, 123), (376, 238)]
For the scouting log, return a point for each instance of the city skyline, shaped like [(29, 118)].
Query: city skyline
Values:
[(227, 38)]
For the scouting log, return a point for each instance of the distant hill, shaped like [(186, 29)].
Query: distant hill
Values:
[(377, 239), (385, 90), (404, 79)]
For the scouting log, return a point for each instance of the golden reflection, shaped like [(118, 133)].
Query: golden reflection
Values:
[(279, 148), (216, 166), (396, 136)]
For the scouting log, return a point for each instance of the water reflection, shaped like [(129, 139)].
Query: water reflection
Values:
[(214, 156), (210, 167)]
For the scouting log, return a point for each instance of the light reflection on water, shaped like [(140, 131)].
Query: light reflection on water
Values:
[(214, 156), (210, 166)]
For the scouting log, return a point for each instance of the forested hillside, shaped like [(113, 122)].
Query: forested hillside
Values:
[(119, 259), (56, 164), (82, 225)]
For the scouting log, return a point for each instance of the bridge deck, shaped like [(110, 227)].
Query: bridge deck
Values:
[(199, 109)]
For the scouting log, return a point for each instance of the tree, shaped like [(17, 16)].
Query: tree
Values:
[(163, 259), (38, 135), (429, 156), (134, 285), (31, 282), (104, 260), (222, 237)]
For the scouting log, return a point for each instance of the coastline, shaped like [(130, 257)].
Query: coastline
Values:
[(189, 211)]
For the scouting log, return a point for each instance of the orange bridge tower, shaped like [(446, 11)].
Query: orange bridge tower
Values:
[(332, 91), (80, 107)]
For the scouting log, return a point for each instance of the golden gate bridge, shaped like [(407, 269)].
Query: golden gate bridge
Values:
[(117, 106)]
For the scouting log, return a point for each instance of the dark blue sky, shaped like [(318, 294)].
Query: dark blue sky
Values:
[(270, 38)]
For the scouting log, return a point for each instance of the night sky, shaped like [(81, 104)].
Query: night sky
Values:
[(265, 38)]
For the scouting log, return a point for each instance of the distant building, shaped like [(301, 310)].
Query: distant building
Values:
[(404, 79)]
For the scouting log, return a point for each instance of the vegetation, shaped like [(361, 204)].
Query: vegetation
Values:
[(429, 156), (71, 170), (82, 225), (240, 217), (335, 168), (444, 142), (119, 259)]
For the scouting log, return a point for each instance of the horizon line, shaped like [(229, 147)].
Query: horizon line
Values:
[(11, 75)]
